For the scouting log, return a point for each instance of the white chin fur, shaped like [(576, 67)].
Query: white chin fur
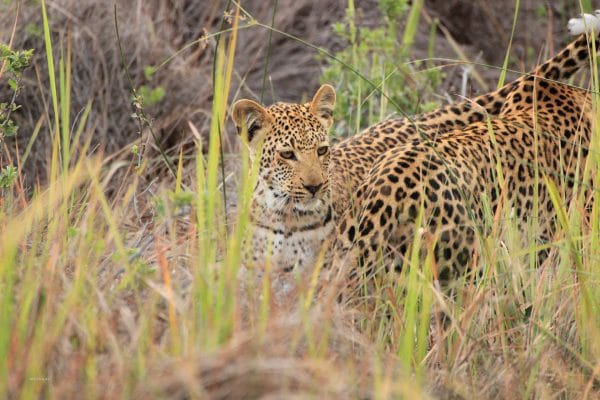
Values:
[(308, 205), (585, 23), (273, 202)]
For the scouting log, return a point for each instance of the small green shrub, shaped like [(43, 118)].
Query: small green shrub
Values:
[(151, 96), (147, 95), (378, 55), (7, 176), (12, 64)]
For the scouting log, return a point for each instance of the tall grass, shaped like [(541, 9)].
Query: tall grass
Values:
[(137, 294)]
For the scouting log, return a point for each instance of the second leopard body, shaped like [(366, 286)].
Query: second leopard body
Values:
[(542, 133)]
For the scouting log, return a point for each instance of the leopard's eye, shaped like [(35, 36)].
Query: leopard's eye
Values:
[(322, 150), (287, 154)]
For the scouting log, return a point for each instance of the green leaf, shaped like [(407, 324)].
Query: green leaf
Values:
[(13, 84), (149, 72), (7, 176)]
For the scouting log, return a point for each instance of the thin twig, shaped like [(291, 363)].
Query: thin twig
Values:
[(140, 113)]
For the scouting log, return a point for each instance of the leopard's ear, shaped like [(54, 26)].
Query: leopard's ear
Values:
[(251, 119), (322, 105)]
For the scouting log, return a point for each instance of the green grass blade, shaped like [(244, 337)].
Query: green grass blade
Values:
[(508, 49)]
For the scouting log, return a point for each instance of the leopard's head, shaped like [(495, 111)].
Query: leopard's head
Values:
[(290, 143)]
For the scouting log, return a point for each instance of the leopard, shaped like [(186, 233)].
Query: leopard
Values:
[(441, 188), (291, 213), (305, 184)]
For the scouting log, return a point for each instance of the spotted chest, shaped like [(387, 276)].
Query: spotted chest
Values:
[(289, 240)]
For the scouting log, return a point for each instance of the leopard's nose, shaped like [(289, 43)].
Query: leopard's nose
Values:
[(313, 189)]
